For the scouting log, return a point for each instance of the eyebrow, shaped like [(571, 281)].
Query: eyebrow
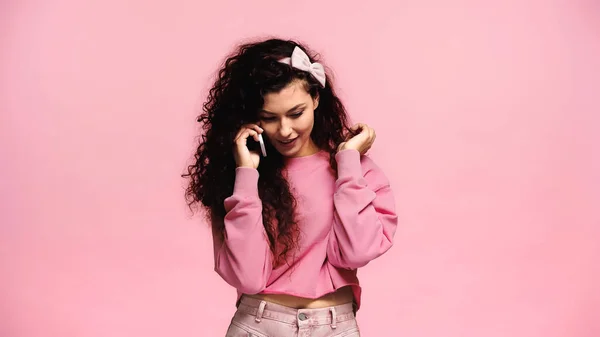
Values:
[(290, 110)]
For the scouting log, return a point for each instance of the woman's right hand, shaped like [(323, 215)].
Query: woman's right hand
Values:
[(243, 156)]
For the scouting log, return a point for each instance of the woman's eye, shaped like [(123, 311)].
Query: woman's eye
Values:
[(271, 118)]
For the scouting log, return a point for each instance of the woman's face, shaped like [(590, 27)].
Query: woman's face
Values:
[(287, 118)]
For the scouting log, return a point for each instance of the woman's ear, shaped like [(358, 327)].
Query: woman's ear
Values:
[(316, 102)]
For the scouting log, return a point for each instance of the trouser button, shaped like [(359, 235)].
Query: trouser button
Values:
[(302, 316)]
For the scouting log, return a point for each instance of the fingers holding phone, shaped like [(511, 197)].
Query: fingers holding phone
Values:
[(243, 156)]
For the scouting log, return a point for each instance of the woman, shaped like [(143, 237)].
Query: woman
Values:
[(290, 228)]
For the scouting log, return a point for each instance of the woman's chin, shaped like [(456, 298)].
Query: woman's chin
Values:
[(288, 152), (299, 150), (299, 147), (289, 149)]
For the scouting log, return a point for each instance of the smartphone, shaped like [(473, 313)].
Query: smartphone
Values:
[(259, 145), (262, 145)]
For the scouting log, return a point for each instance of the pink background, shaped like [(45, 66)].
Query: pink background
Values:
[(488, 125)]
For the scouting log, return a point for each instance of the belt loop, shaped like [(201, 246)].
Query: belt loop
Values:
[(259, 312), (333, 318)]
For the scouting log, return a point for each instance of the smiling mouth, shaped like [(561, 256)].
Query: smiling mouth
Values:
[(287, 142)]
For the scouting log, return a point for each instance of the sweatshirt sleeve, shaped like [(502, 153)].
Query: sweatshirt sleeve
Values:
[(243, 258), (365, 219)]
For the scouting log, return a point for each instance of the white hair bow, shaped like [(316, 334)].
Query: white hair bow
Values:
[(300, 60)]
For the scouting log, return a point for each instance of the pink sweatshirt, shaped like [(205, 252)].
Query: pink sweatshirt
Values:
[(345, 222)]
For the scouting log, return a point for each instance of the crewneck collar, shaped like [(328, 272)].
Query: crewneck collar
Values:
[(307, 162)]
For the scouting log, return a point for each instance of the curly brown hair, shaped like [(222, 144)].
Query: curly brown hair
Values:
[(251, 72)]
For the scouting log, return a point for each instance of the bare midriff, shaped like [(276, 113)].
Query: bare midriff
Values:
[(341, 296)]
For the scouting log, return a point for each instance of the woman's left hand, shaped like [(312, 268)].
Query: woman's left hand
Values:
[(362, 142)]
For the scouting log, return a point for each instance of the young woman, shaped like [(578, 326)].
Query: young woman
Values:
[(290, 229)]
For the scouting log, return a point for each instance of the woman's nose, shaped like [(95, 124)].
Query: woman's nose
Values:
[(285, 129)]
